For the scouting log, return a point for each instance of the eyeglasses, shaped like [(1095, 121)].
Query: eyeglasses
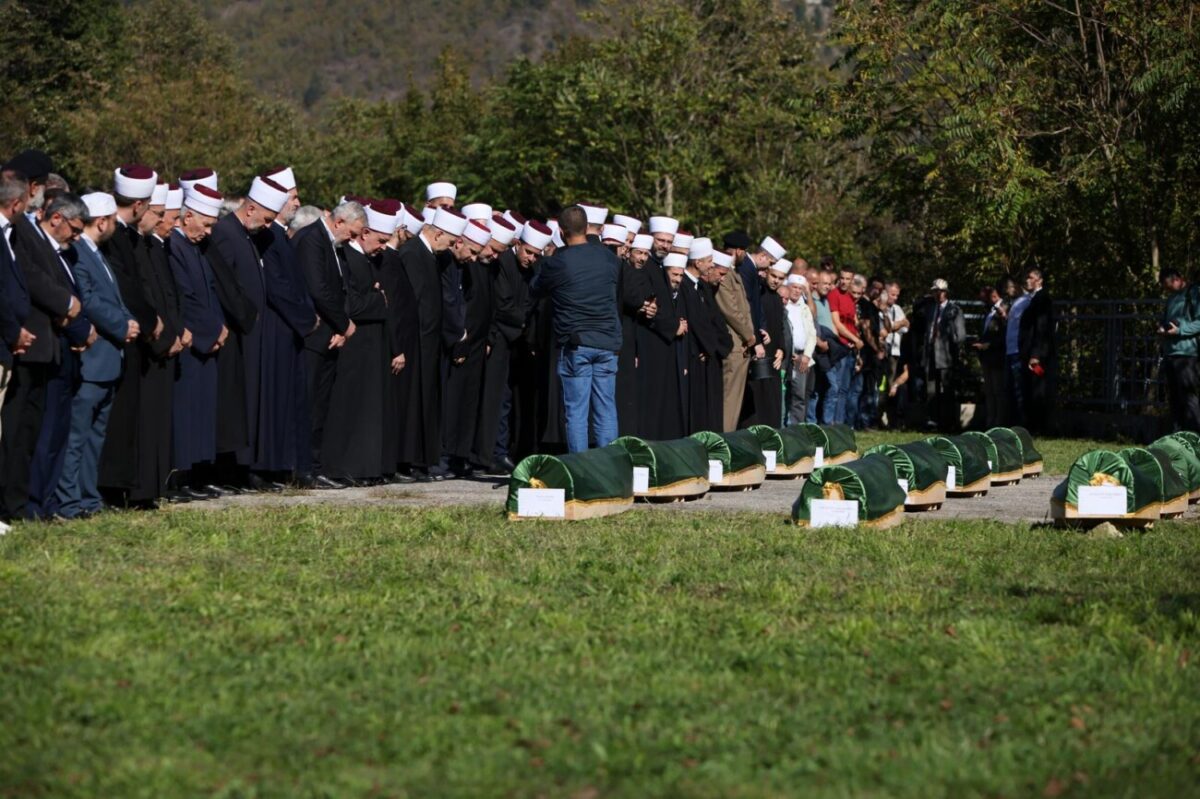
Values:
[(75, 231)]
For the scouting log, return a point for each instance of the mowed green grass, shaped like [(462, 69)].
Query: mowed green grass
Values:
[(371, 652)]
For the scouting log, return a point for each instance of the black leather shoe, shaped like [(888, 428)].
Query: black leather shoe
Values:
[(422, 476), (211, 491), (324, 483), (177, 497), (464, 472), (506, 465), (258, 483), (399, 478)]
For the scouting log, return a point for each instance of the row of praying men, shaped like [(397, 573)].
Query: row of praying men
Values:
[(163, 340)]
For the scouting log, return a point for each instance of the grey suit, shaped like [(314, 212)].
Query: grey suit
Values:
[(945, 336), (77, 490)]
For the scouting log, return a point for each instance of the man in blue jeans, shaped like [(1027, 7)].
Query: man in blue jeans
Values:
[(581, 279)]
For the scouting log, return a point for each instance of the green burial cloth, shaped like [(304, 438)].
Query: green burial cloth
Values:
[(790, 444), (597, 474), (1010, 452), (736, 451), (1028, 451), (1160, 470), (1182, 458), (917, 462), (869, 481), (1103, 467), (669, 462), (967, 456)]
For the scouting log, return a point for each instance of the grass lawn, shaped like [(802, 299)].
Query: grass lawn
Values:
[(363, 652)]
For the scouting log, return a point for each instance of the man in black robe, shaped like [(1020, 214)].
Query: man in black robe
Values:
[(128, 440), (504, 326), (421, 447), (766, 393), (194, 397), (529, 376), (160, 363), (288, 316), (633, 297), (240, 239), (401, 330), (354, 446), (321, 265), (464, 380), (702, 342), (658, 382)]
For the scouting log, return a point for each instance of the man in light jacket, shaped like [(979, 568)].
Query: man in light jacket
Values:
[(801, 375)]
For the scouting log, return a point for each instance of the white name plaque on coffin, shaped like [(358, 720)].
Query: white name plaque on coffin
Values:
[(1103, 500), (833, 513), (770, 455), (819, 458), (716, 472), (904, 488), (550, 503), (951, 478), (641, 479)]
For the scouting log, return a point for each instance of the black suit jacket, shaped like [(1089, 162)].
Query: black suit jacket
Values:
[(993, 335), (323, 276), (1037, 329), (50, 291), (14, 303)]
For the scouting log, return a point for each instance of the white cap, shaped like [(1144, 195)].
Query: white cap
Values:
[(411, 222), (783, 266), (536, 235), (797, 280), (477, 230), (208, 177), (203, 200), (552, 224), (435, 190), (722, 260), (135, 181), (380, 222), (477, 211), (428, 213), (284, 177), (701, 248), (503, 231), (557, 239), (940, 285), (643, 241), (99, 204), (271, 197), (159, 197), (449, 221), (664, 224), (772, 248), (595, 214), (682, 241), (615, 233), (634, 226), (675, 259), (174, 199)]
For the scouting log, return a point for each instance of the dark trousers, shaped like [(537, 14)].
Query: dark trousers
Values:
[(1016, 390), (322, 369), (943, 399), (24, 405), (51, 445), (995, 395), (1183, 385)]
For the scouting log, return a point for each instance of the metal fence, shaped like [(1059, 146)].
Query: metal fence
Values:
[(1108, 353)]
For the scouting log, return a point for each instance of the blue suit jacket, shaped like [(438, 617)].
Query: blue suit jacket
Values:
[(102, 303)]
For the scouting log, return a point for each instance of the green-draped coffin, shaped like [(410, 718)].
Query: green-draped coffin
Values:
[(742, 462), (970, 462), (837, 440), (869, 481), (598, 482), (677, 468), (1029, 452), (1010, 454), (1183, 457), (1173, 494), (922, 467), (1190, 438), (1004, 454), (792, 446), (1103, 467)]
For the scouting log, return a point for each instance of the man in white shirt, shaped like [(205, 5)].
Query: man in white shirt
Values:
[(801, 375)]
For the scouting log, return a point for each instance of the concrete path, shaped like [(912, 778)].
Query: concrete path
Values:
[(1028, 501)]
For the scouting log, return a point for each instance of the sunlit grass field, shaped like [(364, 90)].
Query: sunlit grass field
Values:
[(370, 652)]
